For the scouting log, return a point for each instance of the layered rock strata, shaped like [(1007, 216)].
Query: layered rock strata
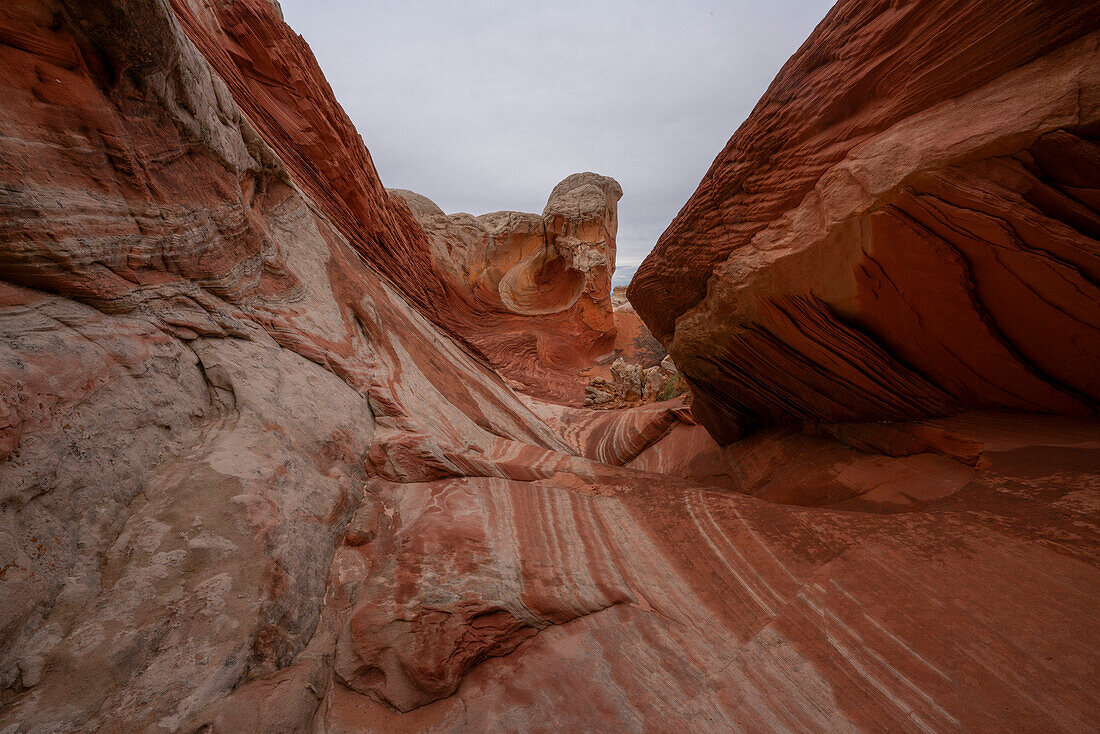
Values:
[(274, 78), (546, 280), (172, 488), (276, 82), (246, 484), (906, 226)]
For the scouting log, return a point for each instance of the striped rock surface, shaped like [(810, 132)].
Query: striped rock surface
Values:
[(545, 280), (905, 226), (247, 484)]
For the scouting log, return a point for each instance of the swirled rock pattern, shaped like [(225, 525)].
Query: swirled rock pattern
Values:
[(905, 226), (469, 279), (171, 490), (247, 483), (473, 276), (546, 280)]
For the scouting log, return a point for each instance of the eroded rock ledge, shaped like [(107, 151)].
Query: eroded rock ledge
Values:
[(546, 279), (904, 227)]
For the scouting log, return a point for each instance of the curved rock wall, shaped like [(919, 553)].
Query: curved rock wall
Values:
[(904, 227), (171, 490), (275, 80), (544, 281)]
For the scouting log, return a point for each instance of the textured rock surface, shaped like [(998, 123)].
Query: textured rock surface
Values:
[(628, 385), (277, 84), (471, 276), (173, 489), (544, 280), (247, 485), (905, 226), (752, 616), (633, 340)]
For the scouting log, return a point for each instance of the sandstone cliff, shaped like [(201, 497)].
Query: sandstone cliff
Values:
[(198, 369), (277, 84), (251, 481), (904, 227)]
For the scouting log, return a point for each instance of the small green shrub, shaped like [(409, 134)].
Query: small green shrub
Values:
[(672, 388)]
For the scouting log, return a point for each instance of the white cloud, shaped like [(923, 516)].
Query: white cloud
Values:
[(483, 106)]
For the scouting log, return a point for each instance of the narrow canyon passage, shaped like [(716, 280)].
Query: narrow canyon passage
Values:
[(282, 450)]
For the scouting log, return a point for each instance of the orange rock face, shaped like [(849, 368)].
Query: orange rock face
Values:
[(543, 282), (904, 227), (247, 483), (560, 273)]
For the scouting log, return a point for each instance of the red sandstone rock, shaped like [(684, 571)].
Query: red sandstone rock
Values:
[(544, 282), (277, 84), (171, 492), (905, 226), (633, 341), (246, 486)]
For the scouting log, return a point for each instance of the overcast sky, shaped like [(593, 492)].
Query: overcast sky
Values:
[(483, 106)]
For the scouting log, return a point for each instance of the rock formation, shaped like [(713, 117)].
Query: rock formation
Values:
[(196, 367), (276, 82), (629, 384), (904, 227), (252, 480), (633, 340), (545, 280)]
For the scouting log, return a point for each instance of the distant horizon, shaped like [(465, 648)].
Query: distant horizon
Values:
[(623, 273), (486, 106)]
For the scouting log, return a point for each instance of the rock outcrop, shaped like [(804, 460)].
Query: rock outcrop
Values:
[(276, 82), (172, 489), (545, 280), (629, 384), (251, 482), (906, 226), (633, 340)]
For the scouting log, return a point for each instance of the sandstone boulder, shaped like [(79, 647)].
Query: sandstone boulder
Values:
[(630, 379), (901, 229)]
